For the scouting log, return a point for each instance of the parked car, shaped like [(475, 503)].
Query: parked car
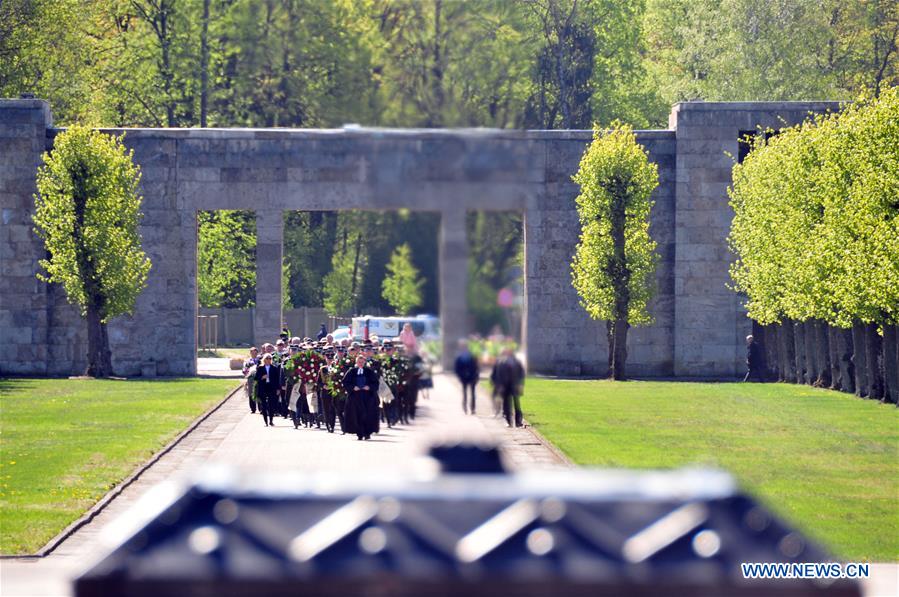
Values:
[(341, 333), (426, 327)]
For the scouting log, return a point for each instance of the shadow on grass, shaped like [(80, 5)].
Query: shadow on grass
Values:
[(17, 384)]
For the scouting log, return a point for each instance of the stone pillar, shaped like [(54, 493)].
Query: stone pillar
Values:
[(453, 282), (269, 252), (24, 328)]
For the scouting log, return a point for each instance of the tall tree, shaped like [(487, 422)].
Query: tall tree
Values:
[(564, 66), (401, 286), (341, 284), (613, 268), (87, 212)]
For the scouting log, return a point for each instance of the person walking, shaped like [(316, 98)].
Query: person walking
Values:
[(755, 368), (468, 372), (362, 406), (322, 333), (249, 373), (508, 380), (408, 339), (268, 384)]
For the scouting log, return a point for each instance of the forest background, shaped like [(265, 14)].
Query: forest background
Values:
[(532, 64)]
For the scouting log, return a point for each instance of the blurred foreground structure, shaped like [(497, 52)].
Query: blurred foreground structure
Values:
[(699, 325), (474, 532)]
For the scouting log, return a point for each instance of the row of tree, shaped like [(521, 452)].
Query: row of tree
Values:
[(816, 234), (499, 63)]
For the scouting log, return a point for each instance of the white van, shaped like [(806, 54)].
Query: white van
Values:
[(426, 327)]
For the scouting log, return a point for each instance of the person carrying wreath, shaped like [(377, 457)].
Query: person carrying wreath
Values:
[(362, 406), (325, 394)]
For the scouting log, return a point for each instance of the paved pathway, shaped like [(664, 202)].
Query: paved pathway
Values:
[(233, 436)]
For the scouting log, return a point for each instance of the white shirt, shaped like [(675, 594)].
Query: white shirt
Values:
[(359, 371)]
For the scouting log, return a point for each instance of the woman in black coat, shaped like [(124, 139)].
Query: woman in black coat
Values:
[(362, 407)]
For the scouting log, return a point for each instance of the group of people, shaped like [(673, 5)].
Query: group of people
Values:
[(506, 379), (323, 382)]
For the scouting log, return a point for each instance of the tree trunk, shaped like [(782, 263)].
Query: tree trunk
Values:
[(859, 359), (99, 359), (874, 357), (618, 349), (772, 353), (822, 360), (811, 353), (890, 364), (787, 351), (621, 275), (204, 64), (847, 370), (834, 354), (610, 338), (799, 350)]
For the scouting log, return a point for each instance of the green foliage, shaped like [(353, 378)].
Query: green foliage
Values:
[(816, 218), (87, 212), (309, 239), (226, 259), (742, 50), (342, 282), (402, 286), (615, 174), (43, 54)]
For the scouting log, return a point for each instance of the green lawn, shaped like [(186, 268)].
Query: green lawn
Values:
[(826, 461), (65, 443)]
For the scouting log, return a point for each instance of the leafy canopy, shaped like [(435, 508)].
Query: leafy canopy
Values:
[(87, 211), (615, 172), (817, 218)]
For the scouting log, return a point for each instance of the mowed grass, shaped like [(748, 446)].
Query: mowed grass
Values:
[(65, 443), (827, 462), (224, 353)]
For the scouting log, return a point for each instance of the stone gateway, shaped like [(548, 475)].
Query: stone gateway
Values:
[(699, 327)]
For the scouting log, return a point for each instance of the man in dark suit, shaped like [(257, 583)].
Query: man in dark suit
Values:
[(468, 372), (362, 405), (508, 382), (268, 383)]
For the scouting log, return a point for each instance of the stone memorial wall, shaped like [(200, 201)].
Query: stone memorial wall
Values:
[(699, 323)]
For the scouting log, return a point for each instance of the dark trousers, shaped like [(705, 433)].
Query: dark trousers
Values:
[(268, 404), (466, 388), (340, 410), (755, 374), (327, 402), (512, 401), (251, 393), (284, 401), (412, 397)]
